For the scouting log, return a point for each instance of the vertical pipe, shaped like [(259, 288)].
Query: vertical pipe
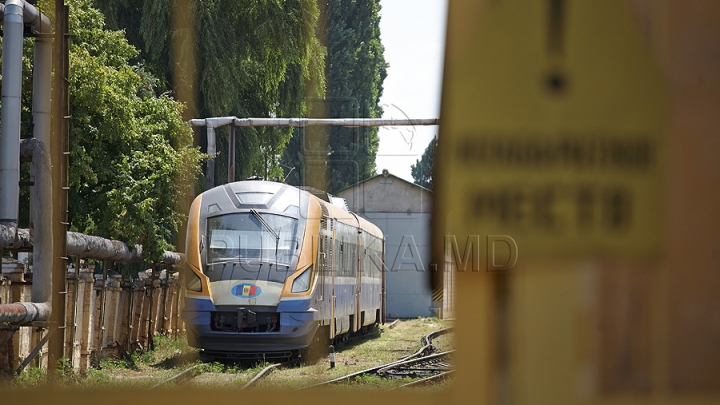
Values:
[(103, 304), (231, 155), (42, 167), (162, 304), (211, 149), (150, 342), (73, 322), (10, 131)]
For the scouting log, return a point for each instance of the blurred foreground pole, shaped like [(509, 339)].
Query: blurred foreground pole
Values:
[(58, 148)]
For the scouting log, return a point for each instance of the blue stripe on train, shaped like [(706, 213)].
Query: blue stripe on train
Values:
[(195, 304)]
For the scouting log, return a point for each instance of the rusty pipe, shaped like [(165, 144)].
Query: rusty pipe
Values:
[(21, 313)]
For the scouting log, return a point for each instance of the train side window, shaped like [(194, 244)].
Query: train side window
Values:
[(320, 267)]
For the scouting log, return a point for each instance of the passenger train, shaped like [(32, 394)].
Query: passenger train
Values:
[(274, 268)]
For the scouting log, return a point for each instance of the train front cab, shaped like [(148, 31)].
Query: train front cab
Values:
[(271, 313)]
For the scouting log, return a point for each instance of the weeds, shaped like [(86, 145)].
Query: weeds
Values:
[(32, 377), (377, 382), (171, 356), (146, 358), (112, 364)]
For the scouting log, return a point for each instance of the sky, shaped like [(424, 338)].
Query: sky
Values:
[(413, 34)]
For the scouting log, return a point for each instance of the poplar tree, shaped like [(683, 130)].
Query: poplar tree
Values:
[(422, 170), (355, 70)]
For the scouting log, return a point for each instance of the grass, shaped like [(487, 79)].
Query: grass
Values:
[(392, 344), (171, 357)]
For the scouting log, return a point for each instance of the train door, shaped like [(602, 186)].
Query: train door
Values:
[(358, 283), (321, 264), (383, 296), (356, 261), (332, 280)]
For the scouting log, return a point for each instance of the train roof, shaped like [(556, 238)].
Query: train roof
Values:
[(350, 218), (336, 206)]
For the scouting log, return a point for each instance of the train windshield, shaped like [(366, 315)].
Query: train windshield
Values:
[(253, 238)]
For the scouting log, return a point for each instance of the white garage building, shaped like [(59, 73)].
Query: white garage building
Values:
[(402, 210)]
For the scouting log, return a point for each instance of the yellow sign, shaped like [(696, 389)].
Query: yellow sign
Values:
[(551, 129)]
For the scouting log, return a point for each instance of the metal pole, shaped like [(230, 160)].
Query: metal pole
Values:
[(103, 304), (73, 321), (210, 169), (231, 155), (164, 300), (150, 334)]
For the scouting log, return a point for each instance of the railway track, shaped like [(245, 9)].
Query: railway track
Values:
[(428, 380), (424, 363), (266, 371), (187, 373), (422, 367), (181, 375)]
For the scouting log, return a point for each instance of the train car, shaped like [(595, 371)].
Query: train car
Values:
[(274, 268)]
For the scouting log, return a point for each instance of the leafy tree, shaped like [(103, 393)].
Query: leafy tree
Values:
[(131, 152), (355, 70), (422, 170), (254, 59)]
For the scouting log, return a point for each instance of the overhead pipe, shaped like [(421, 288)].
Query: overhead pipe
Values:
[(86, 246), (215, 122), (311, 122), (96, 247)]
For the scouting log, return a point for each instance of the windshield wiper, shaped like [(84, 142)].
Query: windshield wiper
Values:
[(268, 228)]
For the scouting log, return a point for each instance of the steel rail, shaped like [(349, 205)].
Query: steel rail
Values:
[(424, 381), (427, 347), (427, 339), (175, 377), (416, 361), (261, 374)]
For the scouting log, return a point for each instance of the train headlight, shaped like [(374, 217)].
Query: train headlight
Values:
[(302, 282)]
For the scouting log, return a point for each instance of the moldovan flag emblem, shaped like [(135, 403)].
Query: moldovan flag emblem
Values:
[(249, 290), (246, 290)]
